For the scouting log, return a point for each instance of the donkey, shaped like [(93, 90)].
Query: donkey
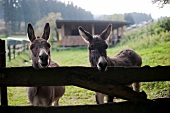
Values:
[(40, 55), (98, 57)]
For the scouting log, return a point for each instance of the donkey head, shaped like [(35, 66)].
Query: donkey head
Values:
[(97, 47), (40, 48)]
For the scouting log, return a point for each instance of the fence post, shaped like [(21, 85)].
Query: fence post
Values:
[(9, 52), (14, 50), (24, 47), (3, 89), (27, 46)]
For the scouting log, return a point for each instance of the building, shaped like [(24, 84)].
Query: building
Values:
[(70, 35)]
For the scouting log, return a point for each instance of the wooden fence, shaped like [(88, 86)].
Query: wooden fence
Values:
[(16, 46), (111, 82)]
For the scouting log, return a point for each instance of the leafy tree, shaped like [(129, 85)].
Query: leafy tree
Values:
[(31, 11), (165, 23), (161, 3), (140, 17), (1, 12), (11, 14)]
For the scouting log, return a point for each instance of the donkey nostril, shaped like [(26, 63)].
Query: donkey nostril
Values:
[(44, 64), (40, 56), (100, 64), (103, 65), (43, 57)]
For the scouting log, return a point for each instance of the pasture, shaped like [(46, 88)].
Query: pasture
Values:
[(154, 50)]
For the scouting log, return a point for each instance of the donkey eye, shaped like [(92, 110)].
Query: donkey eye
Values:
[(91, 47), (49, 52)]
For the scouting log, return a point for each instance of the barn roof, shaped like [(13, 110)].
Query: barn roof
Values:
[(116, 24)]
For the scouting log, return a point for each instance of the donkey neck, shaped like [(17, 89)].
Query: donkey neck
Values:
[(110, 62)]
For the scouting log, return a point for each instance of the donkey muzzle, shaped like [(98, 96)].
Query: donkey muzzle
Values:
[(102, 64), (44, 60)]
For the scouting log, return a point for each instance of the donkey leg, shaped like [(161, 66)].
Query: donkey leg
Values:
[(99, 98), (136, 86), (56, 103)]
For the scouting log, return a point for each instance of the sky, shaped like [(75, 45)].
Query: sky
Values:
[(109, 7)]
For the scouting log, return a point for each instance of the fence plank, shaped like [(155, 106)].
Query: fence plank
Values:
[(21, 76), (16, 49), (109, 82), (158, 106)]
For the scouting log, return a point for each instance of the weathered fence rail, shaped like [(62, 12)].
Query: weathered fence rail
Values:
[(109, 82), (14, 50), (122, 107)]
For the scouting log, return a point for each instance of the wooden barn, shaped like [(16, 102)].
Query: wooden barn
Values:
[(70, 35)]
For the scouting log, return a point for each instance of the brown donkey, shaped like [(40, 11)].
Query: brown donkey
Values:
[(98, 57), (40, 55)]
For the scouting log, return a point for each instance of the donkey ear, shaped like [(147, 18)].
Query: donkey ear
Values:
[(106, 33), (30, 32), (46, 33), (85, 35)]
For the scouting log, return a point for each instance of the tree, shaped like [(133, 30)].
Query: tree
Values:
[(129, 18), (161, 3), (1, 12), (11, 14), (31, 11)]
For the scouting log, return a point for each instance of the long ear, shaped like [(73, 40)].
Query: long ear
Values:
[(106, 33), (46, 33), (30, 32), (85, 35)]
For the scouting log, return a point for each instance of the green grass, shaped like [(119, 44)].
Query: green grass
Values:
[(71, 57), (157, 55), (20, 60)]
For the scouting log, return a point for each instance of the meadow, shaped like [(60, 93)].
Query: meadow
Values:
[(151, 43)]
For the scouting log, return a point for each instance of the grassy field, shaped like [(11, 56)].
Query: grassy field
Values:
[(154, 50)]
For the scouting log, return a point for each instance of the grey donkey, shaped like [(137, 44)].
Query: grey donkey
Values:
[(41, 58), (98, 57)]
